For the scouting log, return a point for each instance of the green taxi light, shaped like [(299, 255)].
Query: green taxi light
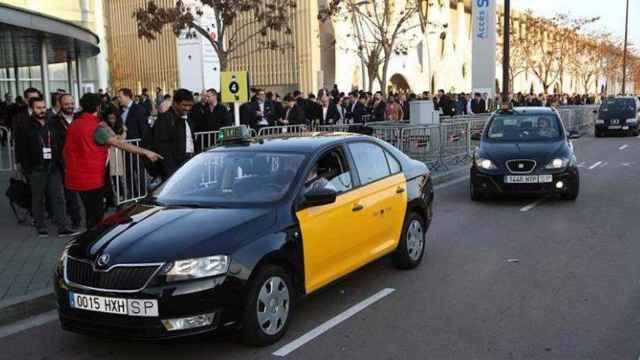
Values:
[(234, 133)]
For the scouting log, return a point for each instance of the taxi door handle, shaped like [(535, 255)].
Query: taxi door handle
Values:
[(357, 207), (399, 190)]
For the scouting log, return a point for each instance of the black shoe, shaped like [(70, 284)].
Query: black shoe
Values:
[(43, 232), (67, 233)]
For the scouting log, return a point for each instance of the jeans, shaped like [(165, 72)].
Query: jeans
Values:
[(73, 206), (93, 202), (47, 184)]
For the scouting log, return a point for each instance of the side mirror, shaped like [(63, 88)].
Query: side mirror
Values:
[(476, 136), (573, 134), (318, 197)]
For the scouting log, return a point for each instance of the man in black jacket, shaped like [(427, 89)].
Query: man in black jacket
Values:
[(379, 107), (478, 105), (21, 122), (294, 114), (445, 104), (42, 164), (60, 123), (329, 111), (172, 134)]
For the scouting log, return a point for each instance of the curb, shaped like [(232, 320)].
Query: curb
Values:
[(24, 307)]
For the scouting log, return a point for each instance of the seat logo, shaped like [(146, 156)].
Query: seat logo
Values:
[(520, 166), (103, 261)]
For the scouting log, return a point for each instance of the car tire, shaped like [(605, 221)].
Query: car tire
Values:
[(413, 242), (573, 194), (269, 301), (598, 133), (475, 195)]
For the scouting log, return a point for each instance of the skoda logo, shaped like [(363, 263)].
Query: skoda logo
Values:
[(103, 260)]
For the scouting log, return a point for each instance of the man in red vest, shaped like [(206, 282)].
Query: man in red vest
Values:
[(86, 153)]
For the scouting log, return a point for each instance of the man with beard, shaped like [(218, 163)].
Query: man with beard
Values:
[(42, 164), (60, 122)]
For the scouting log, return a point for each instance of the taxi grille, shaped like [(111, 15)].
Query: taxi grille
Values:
[(521, 166), (124, 278)]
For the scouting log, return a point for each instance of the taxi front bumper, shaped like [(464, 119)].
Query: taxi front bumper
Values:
[(219, 295)]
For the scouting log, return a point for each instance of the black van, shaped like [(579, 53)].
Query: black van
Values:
[(620, 115)]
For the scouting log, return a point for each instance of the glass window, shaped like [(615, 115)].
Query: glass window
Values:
[(394, 165), (231, 177), (331, 171), (524, 128), (370, 161)]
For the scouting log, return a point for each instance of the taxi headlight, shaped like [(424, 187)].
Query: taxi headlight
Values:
[(485, 164), (558, 163), (196, 268)]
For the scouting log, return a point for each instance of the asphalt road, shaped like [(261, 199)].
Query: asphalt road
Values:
[(508, 279)]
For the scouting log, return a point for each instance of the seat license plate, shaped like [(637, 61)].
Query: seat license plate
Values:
[(528, 179), (615, 127), (111, 305)]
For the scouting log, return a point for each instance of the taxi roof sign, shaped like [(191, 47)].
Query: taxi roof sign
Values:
[(234, 134), (234, 86)]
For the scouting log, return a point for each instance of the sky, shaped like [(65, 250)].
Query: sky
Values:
[(611, 13)]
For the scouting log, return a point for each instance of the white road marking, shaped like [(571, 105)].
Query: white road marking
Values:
[(604, 164), (595, 165), (581, 165), (29, 323), (629, 164), (623, 147), (531, 206), (292, 346)]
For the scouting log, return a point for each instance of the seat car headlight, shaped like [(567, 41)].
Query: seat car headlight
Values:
[(196, 268), (599, 121), (558, 163), (485, 164), (632, 121)]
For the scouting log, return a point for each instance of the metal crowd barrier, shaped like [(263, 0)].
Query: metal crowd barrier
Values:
[(129, 180), (439, 146), (289, 130), (7, 150)]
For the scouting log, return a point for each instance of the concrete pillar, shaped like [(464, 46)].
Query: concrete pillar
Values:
[(78, 77), (103, 65), (44, 71)]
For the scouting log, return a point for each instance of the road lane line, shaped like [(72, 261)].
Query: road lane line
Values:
[(451, 182), (581, 165), (531, 206), (595, 165), (292, 346), (623, 147), (29, 323)]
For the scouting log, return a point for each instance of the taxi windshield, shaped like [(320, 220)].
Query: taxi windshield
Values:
[(230, 177), (517, 128)]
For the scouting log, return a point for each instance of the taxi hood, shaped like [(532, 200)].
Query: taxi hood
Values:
[(155, 234)]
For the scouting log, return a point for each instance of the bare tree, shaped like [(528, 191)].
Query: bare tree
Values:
[(382, 29), (237, 22), (518, 63)]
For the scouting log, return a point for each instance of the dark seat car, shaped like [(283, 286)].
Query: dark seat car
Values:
[(524, 151), (238, 233), (618, 115)]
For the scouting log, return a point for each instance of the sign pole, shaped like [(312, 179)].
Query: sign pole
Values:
[(236, 112)]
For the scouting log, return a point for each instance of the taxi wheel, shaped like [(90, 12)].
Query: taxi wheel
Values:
[(412, 245), (268, 308)]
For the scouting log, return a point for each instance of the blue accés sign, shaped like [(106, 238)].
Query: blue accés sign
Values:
[(482, 32)]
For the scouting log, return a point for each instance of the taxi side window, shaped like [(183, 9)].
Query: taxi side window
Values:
[(394, 165), (371, 162), (331, 171)]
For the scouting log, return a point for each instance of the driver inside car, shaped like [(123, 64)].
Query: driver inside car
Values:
[(317, 181), (545, 129)]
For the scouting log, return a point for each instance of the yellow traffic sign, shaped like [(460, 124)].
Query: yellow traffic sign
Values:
[(234, 86)]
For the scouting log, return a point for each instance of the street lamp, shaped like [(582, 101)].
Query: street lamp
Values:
[(506, 49), (624, 56)]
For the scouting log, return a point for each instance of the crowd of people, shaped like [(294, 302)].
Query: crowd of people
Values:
[(67, 154)]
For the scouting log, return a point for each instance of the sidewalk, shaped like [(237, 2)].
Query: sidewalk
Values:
[(26, 261)]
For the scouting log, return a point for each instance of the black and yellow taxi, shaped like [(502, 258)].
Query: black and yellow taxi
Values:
[(239, 232)]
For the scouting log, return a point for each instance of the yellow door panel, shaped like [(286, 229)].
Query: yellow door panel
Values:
[(338, 240)]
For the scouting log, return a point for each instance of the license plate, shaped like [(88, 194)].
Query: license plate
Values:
[(528, 179), (111, 305), (615, 127)]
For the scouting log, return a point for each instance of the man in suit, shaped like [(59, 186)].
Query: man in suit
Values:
[(261, 111), (133, 115), (478, 105), (294, 114), (172, 135), (329, 111), (21, 123), (135, 119), (359, 109), (215, 115), (379, 107), (445, 104)]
